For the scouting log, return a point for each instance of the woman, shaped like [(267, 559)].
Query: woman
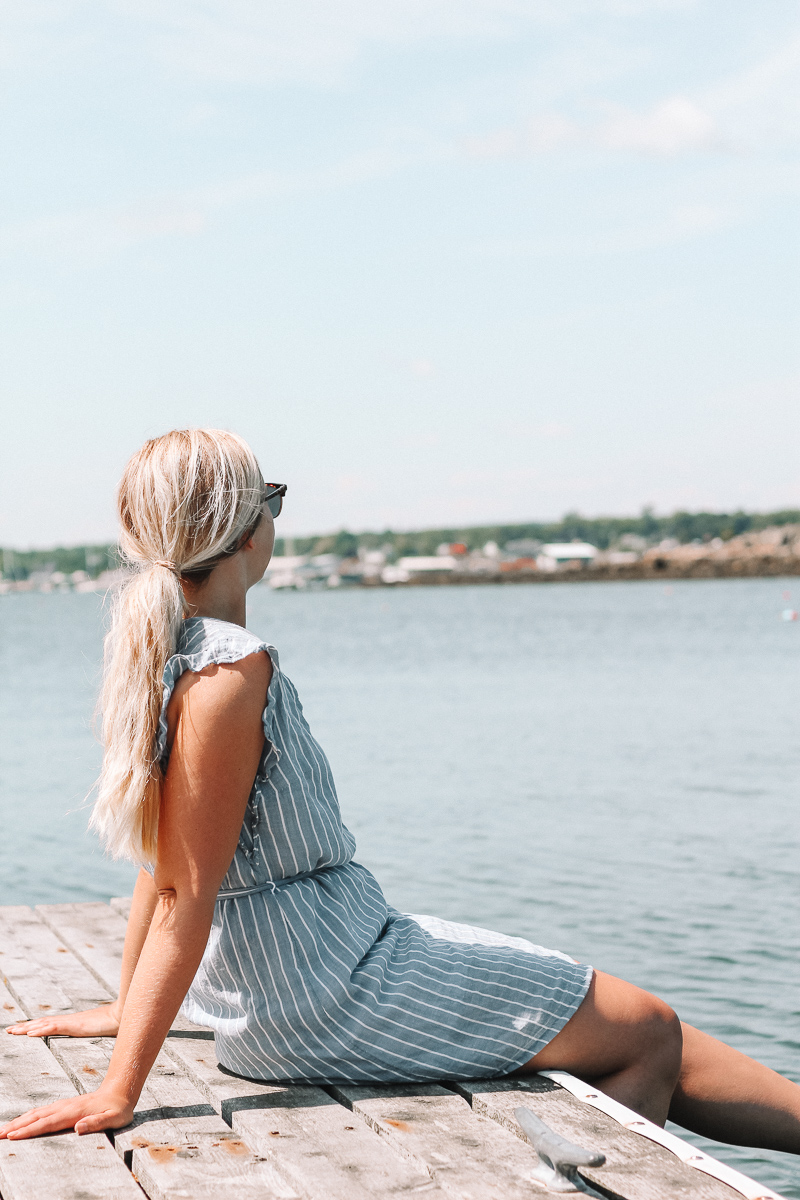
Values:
[(249, 909)]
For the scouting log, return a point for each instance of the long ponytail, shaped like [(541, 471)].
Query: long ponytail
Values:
[(186, 500)]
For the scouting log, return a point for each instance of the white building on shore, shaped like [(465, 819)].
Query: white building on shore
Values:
[(557, 554)]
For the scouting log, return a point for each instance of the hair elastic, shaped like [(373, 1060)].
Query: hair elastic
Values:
[(170, 566)]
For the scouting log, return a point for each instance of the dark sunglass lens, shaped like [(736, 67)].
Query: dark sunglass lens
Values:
[(275, 504)]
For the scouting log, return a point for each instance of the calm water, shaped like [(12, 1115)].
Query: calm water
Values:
[(611, 769)]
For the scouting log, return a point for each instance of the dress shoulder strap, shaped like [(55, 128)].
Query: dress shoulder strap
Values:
[(203, 641)]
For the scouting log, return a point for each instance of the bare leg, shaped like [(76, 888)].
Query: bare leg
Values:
[(623, 1040), (629, 1045), (727, 1096)]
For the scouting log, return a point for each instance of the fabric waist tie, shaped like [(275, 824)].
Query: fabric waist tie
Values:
[(271, 885)]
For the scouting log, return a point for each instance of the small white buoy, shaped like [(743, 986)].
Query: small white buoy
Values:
[(789, 614)]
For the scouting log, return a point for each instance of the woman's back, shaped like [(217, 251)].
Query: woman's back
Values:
[(292, 824)]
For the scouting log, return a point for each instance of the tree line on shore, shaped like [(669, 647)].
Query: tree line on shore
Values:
[(603, 532)]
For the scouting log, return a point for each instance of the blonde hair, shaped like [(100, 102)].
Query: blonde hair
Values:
[(186, 500)]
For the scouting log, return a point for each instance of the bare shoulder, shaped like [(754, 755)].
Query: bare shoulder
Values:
[(237, 690)]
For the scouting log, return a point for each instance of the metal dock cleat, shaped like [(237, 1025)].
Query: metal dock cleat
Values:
[(558, 1159)]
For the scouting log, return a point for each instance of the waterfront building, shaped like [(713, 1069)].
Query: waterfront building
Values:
[(558, 554)]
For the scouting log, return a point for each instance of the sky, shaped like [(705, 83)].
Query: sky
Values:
[(439, 261)]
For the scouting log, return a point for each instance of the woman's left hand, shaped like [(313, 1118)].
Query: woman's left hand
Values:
[(85, 1114)]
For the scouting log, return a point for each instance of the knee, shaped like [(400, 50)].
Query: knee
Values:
[(663, 1038)]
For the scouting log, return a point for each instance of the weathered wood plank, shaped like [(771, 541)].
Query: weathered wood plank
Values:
[(177, 1145), (95, 934), (315, 1144), (635, 1167), (63, 1166), (122, 905), (10, 1011), (224, 1092), (327, 1152), (39, 971), (29, 1076), (207, 1168), (468, 1155)]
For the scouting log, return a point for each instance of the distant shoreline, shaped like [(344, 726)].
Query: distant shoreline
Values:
[(655, 567), (762, 568), (763, 553)]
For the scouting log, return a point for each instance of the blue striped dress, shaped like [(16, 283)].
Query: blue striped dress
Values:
[(308, 973)]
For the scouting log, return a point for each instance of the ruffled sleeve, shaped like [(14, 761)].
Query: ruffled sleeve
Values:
[(205, 641)]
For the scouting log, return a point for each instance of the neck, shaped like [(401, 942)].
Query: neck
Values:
[(223, 596), (235, 614)]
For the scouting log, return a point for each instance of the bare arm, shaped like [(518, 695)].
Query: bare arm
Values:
[(143, 905), (103, 1021), (215, 755)]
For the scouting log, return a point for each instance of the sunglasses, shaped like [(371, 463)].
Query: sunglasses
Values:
[(273, 498)]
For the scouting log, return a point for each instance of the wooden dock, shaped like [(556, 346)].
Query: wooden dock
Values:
[(200, 1132)]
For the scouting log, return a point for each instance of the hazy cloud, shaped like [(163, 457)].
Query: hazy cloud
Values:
[(542, 133), (682, 224), (94, 233), (760, 105), (533, 431), (305, 39), (248, 41), (743, 112), (674, 126)]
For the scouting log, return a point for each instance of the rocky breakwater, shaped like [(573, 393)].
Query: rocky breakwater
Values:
[(765, 552), (762, 552)]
